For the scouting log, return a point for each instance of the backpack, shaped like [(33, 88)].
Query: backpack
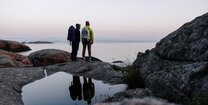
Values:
[(85, 33), (71, 33)]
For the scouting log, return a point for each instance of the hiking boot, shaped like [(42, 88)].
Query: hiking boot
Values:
[(83, 58), (90, 59)]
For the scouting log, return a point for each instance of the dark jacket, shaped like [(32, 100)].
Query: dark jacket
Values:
[(77, 36), (71, 33)]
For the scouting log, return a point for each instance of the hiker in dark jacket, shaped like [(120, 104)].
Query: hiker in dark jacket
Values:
[(74, 38)]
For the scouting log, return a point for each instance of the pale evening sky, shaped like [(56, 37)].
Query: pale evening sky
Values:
[(125, 19)]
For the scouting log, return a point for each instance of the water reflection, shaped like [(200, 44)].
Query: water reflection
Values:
[(88, 90), (76, 88), (65, 89)]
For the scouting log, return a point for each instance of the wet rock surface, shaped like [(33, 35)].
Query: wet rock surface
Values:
[(13, 46), (13, 79), (177, 69)]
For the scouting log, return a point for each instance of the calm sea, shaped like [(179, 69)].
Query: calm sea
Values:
[(61, 89), (106, 51)]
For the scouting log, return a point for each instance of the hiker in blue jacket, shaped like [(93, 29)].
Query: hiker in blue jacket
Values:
[(74, 38)]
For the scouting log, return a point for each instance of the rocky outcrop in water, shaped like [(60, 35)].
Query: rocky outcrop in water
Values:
[(10, 59), (13, 46), (48, 57), (177, 68)]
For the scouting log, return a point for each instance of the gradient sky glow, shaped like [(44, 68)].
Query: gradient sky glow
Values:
[(127, 19)]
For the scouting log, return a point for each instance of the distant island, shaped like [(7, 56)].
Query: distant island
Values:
[(38, 42)]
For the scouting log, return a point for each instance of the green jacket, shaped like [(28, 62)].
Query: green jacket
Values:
[(91, 33)]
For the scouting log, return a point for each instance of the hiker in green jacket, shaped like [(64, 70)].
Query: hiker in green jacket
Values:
[(87, 36)]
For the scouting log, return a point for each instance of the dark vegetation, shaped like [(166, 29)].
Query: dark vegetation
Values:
[(131, 76)]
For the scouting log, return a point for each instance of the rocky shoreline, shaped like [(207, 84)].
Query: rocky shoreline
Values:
[(176, 69)]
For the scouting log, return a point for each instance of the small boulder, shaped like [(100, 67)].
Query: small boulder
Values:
[(13, 46), (10, 59), (48, 57)]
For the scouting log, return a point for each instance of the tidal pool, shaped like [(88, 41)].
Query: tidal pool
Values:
[(65, 89)]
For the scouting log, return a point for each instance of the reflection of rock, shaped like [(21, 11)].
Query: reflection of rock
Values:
[(13, 46), (49, 56), (177, 68), (133, 93), (9, 59), (94, 69), (142, 101), (118, 61)]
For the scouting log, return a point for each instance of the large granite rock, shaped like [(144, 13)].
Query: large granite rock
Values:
[(48, 57), (177, 68), (10, 59), (189, 42), (13, 46)]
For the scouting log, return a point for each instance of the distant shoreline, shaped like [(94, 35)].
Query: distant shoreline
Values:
[(38, 42), (97, 40)]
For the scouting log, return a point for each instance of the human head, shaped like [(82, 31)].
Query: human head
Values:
[(87, 23), (78, 26)]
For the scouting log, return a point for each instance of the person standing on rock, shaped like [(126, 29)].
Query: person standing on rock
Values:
[(74, 38), (87, 39)]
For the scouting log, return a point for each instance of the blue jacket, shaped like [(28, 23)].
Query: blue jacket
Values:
[(71, 33)]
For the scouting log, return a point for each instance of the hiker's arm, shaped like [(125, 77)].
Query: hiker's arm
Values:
[(92, 35)]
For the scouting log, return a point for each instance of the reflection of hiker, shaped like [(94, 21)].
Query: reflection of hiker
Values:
[(87, 39), (88, 90), (76, 88), (74, 38)]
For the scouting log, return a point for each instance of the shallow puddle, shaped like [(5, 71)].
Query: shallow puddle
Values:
[(64, 89)]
